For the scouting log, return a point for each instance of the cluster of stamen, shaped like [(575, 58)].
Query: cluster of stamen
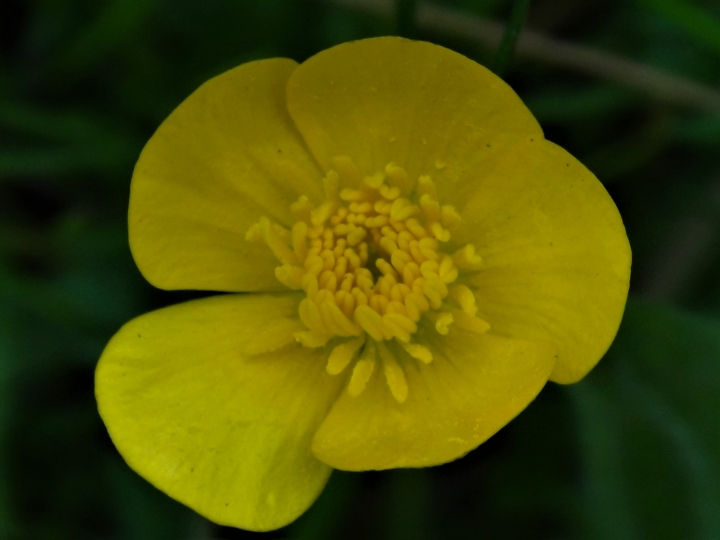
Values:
[(371, 262)]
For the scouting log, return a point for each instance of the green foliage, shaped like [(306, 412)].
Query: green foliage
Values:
[(631, 452), (702, 26), (648, 420)]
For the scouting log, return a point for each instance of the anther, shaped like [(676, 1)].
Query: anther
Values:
[(400, 325), (314, 264), (442, 320), (298, 234), (450, 218), (370, 321), (394, 375), (398, 177), (362, 371), (312, 339), (448, 272), (349, 195), (390, 193), (425, 185), (413, 225), (340, 268), (328, 259), (379, 303), (472, 324), (419, 352), (410, 273), (309, 284), (290, 276), (374, 181), (388, 245), (399, 259), (356, 236), (402, 209), (301, 209), (464, 297), (417, 253), (429, 269), (328, 280), (438, 232), (326, 253), (321, 214), (310, 316), (430, 208), (274, 241), (386, 268), (343, 354), (383, 207), (467, 258), (347, 282)]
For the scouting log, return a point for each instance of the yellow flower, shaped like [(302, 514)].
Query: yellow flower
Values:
[(421, 261)]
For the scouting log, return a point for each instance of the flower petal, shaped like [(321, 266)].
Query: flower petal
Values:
[(419, 105), (556, 255), (226, 156), (222, 431), (474, 386)]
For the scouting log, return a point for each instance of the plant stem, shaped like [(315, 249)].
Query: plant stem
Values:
[(505, 51)]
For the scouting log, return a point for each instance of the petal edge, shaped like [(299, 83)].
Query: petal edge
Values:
[(222, 432)]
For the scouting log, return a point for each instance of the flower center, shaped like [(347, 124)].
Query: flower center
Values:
[(374, 261)]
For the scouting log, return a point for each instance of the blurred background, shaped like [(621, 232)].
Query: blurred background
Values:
[(630, 87)]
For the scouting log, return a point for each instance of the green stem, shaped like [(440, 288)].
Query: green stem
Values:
[(512, 31)]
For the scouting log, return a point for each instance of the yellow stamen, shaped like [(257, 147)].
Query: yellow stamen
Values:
[(301, 209), (343, 354), (312, 339), (398, 177), (450, 218), (290, 276), (426, 185), (442, 320), (464, 297), (417, 351), (372, 259), (363, 370), (466, 322), (467, 258), (394, 375)]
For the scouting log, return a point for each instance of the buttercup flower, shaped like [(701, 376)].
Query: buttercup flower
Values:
[(415, 262)]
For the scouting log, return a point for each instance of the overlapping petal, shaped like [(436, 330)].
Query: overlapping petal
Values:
[(224, 431), (421, 106), (226, 156), (475, 385), (557, 259)]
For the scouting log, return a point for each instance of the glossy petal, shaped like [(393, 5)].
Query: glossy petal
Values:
[(226, 156), (421, 106), (557, 259), (474, 386), (224, 432)]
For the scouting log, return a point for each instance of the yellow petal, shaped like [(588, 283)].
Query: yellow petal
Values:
[(556, 256), (226, 433), (474, 386), (414, 104), (226, 156)]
